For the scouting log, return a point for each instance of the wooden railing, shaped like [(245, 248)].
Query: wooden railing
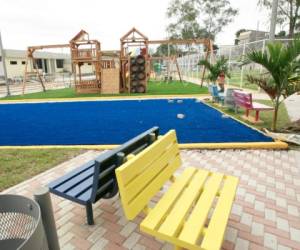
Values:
[(108, 64), (84, 54)]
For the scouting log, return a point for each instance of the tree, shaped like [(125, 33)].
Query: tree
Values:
[(282, 64), (281, 34), (163, 50), (221, 66), (288, 13), (198, 18)]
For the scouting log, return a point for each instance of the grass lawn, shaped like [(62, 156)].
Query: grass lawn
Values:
[(154, 88), (19, 165), (265, 116)]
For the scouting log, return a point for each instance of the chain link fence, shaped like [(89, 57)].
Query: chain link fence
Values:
[(33, 85), (235, 54)]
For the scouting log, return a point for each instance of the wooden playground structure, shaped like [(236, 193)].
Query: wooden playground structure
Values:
[(84, 50), (131, 73), (135, 69)]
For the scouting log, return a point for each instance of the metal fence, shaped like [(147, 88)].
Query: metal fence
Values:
[(235, 54), (33, 85)]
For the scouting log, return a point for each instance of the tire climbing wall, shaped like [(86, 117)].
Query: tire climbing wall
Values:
[(138, 74)]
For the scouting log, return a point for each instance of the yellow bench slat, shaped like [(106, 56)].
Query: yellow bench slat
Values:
[(172, 225), (216, 229), (196, 221), (133, 208), (162, 208), (141, 181), (130, 169), (181, 214)]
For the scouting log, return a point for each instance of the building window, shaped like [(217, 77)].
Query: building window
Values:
[(23, 62), (13, 62), (38, 64), (60, 63)]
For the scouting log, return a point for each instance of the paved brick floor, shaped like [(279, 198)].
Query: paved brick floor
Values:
[(265, 215)]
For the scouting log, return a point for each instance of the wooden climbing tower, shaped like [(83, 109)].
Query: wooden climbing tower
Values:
[(86, 52), (134, 60)]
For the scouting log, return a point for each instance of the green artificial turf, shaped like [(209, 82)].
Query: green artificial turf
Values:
[(154, 88)]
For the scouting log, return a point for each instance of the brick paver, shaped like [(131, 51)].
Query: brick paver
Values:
[(265, 214)]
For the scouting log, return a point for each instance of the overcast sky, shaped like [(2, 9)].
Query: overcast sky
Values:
[(34, 22)]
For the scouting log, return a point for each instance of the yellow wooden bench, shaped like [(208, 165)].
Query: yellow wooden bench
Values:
[(194, 211)]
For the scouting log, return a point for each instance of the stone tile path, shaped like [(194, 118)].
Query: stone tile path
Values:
[(265, 215)]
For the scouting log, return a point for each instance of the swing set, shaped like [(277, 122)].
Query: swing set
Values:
[(134, 40), (84, 51)]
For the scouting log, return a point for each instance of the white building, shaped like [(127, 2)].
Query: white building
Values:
[(49, 63), (252, 35)]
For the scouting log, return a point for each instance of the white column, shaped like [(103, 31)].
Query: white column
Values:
[(273, 19)]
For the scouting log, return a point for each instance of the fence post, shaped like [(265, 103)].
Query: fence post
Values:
[(189, 66), (242, 70), (229, 63), (262, 50), (186, 67), (2, 53), (193, 67), (261, 67)]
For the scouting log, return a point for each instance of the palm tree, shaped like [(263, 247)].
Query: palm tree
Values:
[(216, 69), (282, 64)]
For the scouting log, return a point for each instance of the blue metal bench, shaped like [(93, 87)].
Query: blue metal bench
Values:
[(96, 179)]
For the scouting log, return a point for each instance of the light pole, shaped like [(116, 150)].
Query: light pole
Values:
[(4, 66), (273, 19)]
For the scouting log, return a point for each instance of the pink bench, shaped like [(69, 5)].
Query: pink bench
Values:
[(244, 100)]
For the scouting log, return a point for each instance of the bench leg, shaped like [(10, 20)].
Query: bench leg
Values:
[(247, 112), (236, 109), (257, 115), (89, 213)]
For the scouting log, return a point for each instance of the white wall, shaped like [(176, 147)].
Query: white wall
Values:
[(15, 70)]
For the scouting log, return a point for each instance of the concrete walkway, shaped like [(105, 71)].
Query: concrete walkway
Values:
[(265, 214)]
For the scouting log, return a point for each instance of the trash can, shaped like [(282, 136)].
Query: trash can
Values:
[(229, 100), (21, 225)]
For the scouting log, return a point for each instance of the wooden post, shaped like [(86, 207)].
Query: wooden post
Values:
[(209, 50), (203, 73), (25, 77), (129, 75), (178, 69), (169, 60), (38, 74)]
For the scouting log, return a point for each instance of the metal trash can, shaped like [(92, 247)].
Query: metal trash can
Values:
[(21, 225), (229, 100)]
